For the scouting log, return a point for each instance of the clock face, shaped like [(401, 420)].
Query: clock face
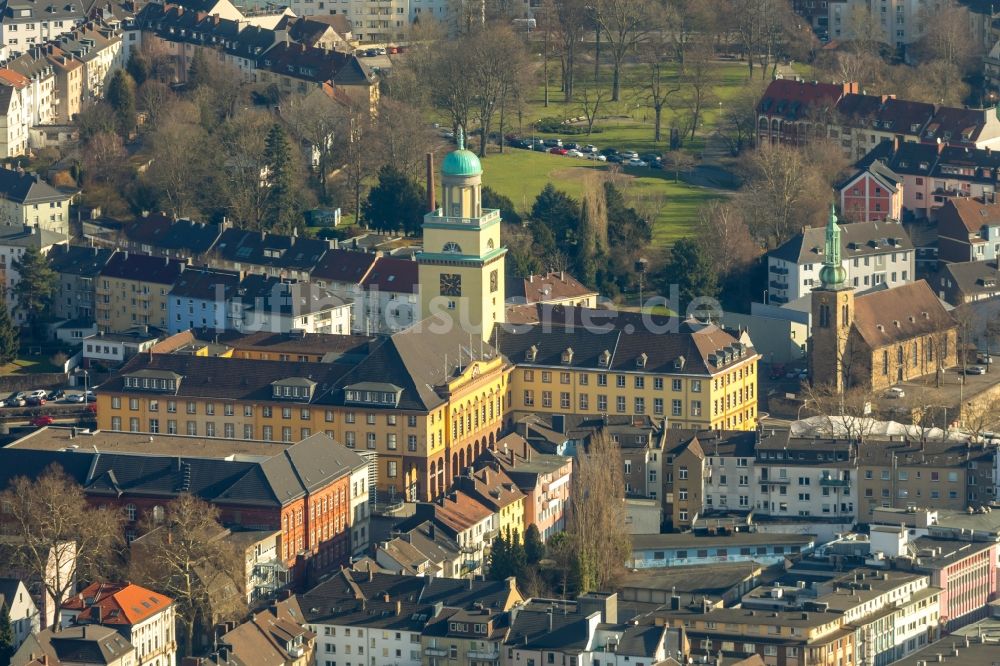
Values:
[(494, 281), (451, 284)]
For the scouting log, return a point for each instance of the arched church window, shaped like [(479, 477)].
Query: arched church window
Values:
[(489, 244), (453, 248)]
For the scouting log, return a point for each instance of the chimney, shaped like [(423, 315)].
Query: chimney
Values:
[(431, 205)]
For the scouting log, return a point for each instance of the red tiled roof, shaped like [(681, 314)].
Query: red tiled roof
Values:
[(791, 99), (117, 603)]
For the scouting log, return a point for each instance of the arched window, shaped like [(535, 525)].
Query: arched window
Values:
[(452, 247), (489, 244)]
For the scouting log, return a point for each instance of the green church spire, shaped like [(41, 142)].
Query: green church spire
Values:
[(832, 275)]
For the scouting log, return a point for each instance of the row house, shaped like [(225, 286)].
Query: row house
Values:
[(945, 475), (422, 550), (873, 254), (424, 402), (42, 98), (384, 289), (274, 635), (468, 523), (77, 267), (807, 477), (14, 109), (29, 23), (87, 645), (793, 111), (490, 486), (365, 616), (545, 479), (132, 290), (861, 122), (697, 375), (303, 489), (15, 240), (100, 48), (144, 618), (266, 55)]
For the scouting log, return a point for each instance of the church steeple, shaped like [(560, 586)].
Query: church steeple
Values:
[(832, 275)]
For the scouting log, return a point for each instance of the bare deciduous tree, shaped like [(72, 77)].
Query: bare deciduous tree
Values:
[(242, 140), (317, 120), (185, 556), (58, 536), (624, 23), (590, 100), (725, 237), (597, 517), (660, 82)]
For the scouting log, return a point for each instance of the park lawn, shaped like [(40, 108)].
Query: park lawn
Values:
[(521, 175)]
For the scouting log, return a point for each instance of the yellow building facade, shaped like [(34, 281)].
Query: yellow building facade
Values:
[(697, 377), (132, 291)]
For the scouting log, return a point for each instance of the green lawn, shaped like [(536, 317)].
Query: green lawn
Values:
[(27, 365), (521, 175)]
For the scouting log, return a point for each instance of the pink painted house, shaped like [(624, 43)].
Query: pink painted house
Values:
[(872, 194), (543, 478)]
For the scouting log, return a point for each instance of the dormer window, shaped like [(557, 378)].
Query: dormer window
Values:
[(531, 354), (152, 380), (567, 356), (679, 362), (294, 388), (640, 362), (604, 360), (381, 394)]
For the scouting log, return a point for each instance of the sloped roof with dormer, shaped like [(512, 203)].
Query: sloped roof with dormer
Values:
[(901, 313)]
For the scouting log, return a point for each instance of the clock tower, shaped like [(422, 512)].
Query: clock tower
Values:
[(461, 266), (830, 361)]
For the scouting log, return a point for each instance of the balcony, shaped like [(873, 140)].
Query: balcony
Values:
[(774, 284), (436, 652), (776, 481), (483, 656), (777, 270), (830, 482)]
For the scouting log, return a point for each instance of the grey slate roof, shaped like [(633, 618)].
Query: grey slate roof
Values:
[(17, 235), (27, 188), (89, 644), (164, 232), (626, 337), (205, 283), (289, 474), (857, 239), (79, 260), (972, 277)]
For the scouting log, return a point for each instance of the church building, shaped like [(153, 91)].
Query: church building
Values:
[(877, 339), (461, 267)]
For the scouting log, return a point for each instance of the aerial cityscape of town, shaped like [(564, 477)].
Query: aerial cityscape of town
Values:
[(499, 333)]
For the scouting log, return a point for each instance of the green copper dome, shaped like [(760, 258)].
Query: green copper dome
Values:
[(832, 275), (461, 162)]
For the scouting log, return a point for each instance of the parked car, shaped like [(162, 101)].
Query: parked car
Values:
[(983, 359), (393, 50), (35, 401), (15, 399), (573, 153), (370, 53), (91, 397), (381, 51), (553, 143), (651, 158), (37, 393), (614, 159), (608, 152), (895, 392), (629, 155), (636, 162), (597, 157), (571, 145), (589, 148), (77, 398), (558, 151), (540, 148), (42, 421), (976, 370), (57, 394)]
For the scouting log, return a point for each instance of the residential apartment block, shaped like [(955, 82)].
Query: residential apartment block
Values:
[(26, 199), (15, 239), (132, 290), (872, 254)]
